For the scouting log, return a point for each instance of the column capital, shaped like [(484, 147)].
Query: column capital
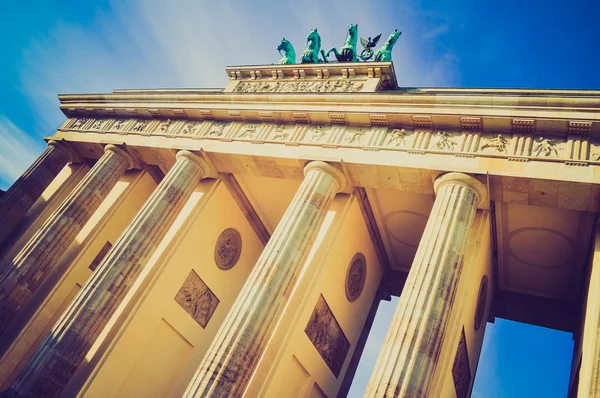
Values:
[(463, 179), (204, 167), (121, 152), (64, 149), (329, 169)]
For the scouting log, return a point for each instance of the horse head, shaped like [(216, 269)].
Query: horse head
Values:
[(283, 46), (394, 37), (314, 39), (352, 34)]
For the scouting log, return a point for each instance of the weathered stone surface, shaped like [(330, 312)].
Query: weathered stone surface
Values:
[(79, 326), (27, 189), (327, 336), (25, 273), (409, 356), (234, 354), (197, 299), (461, 370)]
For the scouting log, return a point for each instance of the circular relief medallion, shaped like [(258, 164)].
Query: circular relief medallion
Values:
[(356, 276), (481, 300), (228, 249)]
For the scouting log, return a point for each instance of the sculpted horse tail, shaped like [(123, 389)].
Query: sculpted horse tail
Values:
[(347, 53), (289, 56), (384, 54)]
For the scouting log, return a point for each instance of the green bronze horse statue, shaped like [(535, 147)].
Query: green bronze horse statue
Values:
[(347, 53), (310, 55), (289, 55), (384, 54)]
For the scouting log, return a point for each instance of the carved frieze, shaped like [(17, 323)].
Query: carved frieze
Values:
[(498, 144), (324, 331), (228, 249), (397, 138), (481, 302), (293, 86), (461, 370), (197, 299), (356, 277), (522, 146)]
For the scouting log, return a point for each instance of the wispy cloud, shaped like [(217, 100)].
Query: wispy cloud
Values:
[(19, 150), (188, 43)]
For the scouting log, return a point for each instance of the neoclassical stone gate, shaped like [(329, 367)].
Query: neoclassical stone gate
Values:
[(237, 242)]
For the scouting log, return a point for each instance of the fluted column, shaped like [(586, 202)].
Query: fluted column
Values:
[(22, 275), (408, 359), (19, 198), (234, 353), (54, 363)]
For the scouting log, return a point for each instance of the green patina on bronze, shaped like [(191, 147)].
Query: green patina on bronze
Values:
[(310, 55), (385, 52), (313, 54), (347, 53), (289, 55)]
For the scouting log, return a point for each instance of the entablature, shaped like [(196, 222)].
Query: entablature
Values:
[(522, 167)]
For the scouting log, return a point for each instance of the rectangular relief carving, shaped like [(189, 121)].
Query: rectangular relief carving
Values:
[(100, 256), (197, 299), (327, 336), (461, 370)]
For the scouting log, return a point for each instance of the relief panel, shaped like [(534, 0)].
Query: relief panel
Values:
[(327, 336), (461, 370), (228, 249), (197, 299)]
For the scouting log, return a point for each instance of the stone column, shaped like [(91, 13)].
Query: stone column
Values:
[(56, 360), (22, 275), (235, 351), (19, 198), (407, 361), (588, 382)]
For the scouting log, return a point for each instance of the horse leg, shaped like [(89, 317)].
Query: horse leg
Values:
[(335, 52), (325, 59)]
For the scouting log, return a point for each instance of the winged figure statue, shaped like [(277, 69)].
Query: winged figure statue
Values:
[(369, 44)]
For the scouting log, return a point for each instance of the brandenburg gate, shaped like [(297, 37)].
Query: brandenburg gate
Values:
[(237, 242)]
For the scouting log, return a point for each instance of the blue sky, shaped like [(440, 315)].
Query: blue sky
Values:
[(51, 47)]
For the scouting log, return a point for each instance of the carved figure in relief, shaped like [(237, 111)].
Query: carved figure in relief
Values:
[(596, 156), (317, 133), (310, 55), (384, 54), (299, 87), (279, 134), (189, 128), (79, 123), (347, 53), (397, 137), (327, 337), (197, 299), (289, 55), (546, 147), (163, 127), (356, 137), (140, 125), (248, 132), (98, 124), (499, 143), (444, 141), (216, 130), (118, 124)]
